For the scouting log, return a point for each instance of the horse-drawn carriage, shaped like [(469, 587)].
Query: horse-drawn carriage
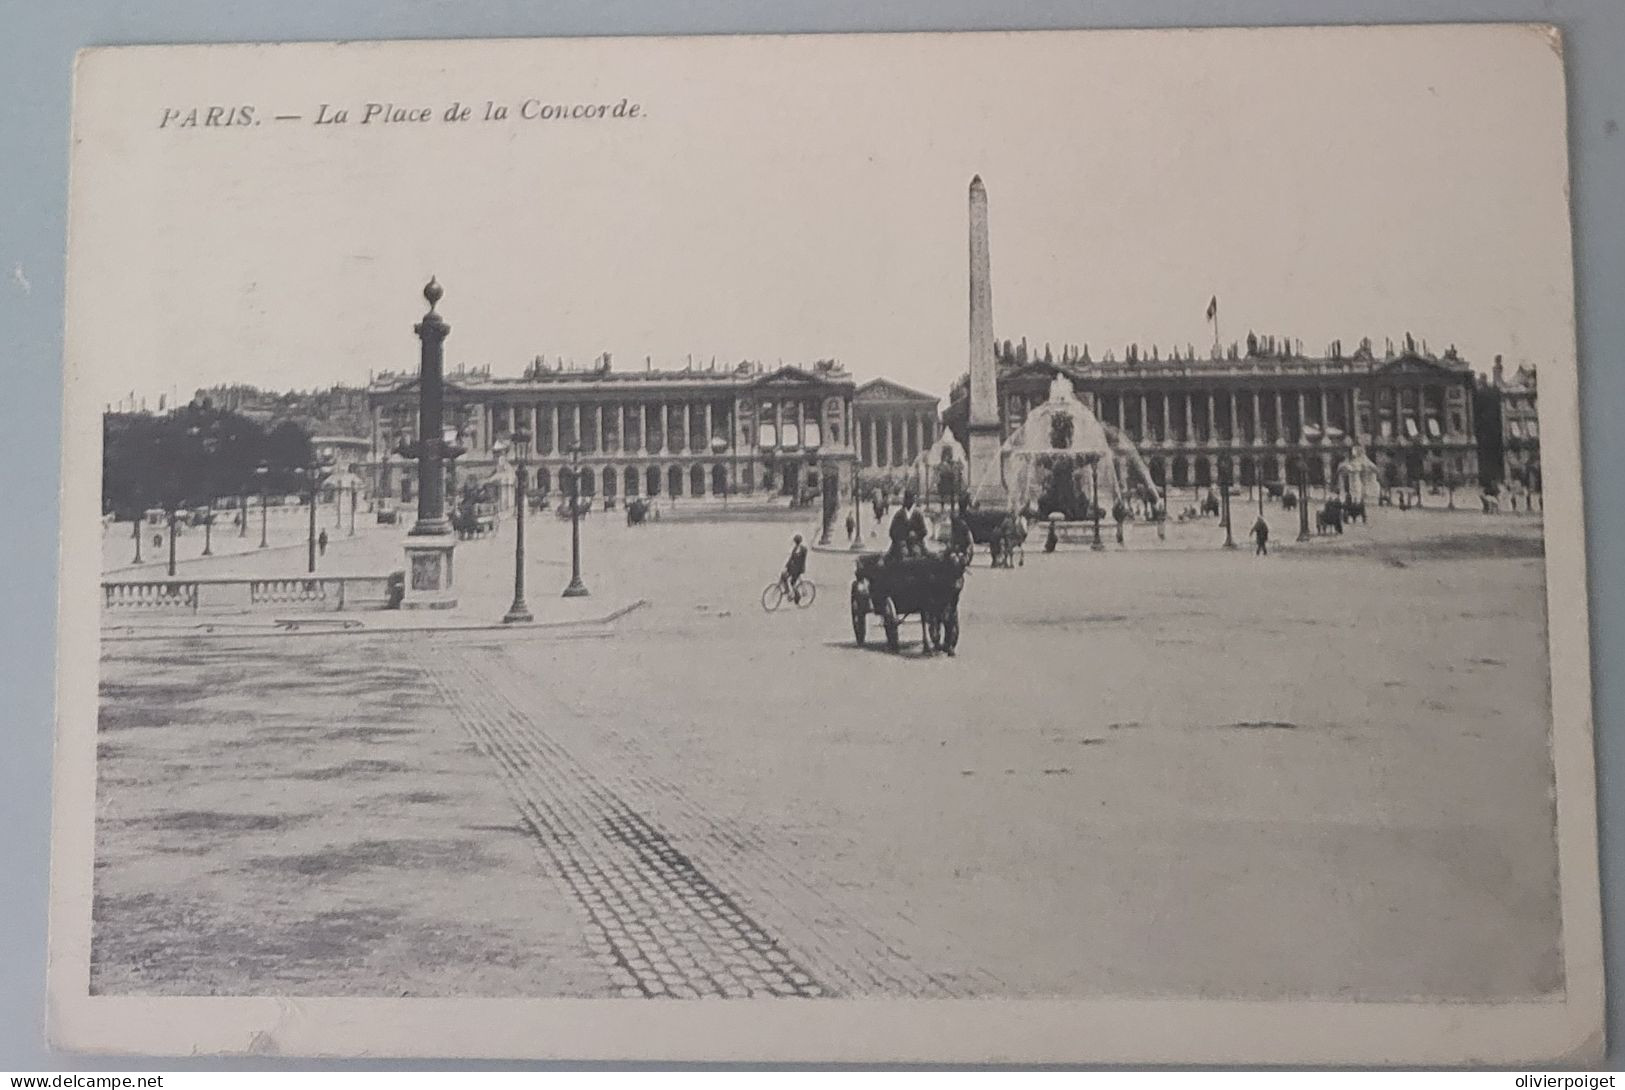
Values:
[(582, 507), (1003, 532), (474, 520), (894, 588)]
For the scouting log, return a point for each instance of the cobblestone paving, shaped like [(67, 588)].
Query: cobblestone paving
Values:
[(664, 907)]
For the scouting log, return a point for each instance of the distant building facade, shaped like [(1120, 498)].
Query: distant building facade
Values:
[(1509, 446), (686, 433), (895, 425), (1265, 413)]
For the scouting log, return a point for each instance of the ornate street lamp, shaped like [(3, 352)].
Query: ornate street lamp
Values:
[(138, 525), (576, 589), (1224, 493), (352, 508), (1094, 499), (210, 445), (857, 508), (519, 612), (314, 473), (1303, 499), (261, 472), (718, 445)]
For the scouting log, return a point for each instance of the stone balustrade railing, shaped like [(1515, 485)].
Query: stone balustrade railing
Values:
[(239, 595)]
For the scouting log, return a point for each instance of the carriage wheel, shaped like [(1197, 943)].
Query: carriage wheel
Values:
[(889, 619), (860, 615), (950, 629)]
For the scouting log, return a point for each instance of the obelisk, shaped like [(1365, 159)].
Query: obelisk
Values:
[(986, 469)]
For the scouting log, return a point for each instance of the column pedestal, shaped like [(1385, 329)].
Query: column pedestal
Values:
[(986, 469), (429, 572)]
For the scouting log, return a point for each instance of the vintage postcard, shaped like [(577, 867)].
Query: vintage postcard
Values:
[(1034, 547)]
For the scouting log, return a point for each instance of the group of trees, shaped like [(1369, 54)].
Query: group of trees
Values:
[(193, 456)]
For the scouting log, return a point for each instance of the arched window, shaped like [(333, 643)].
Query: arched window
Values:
[(611, 481), (589, 481), (696, 481), (653, 479), (544, 481), (719, 480), (631, 481), (1204, 473), (674, 482)]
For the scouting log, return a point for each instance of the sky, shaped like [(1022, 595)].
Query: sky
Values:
[(804, 198)]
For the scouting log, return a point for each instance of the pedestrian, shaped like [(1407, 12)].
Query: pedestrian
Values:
[(321, 543), (851, 527), (1261, 534), (1051, 539)]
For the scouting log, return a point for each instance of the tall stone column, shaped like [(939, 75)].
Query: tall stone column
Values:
[(430, 543), (986, 469), (598, 428), (1258, 418), (1280, 418), (886, 459)]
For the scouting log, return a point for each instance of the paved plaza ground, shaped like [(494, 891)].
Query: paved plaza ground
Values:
[(1165, 770)]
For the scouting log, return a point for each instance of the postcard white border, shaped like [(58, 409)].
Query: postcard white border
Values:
[(1567, 1031)]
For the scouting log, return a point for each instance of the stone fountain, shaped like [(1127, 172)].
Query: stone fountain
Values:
[(1106, 466)]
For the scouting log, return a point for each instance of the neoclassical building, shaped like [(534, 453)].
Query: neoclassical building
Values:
[(1509, 427), (1266, 411), (636, 433), (895, 425)]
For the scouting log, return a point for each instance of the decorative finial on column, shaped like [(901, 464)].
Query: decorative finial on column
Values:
[(432, 291)]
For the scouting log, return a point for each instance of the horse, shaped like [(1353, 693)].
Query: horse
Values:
[(1354, 509), (1210, 504), (1289, 501), (1329, 518)]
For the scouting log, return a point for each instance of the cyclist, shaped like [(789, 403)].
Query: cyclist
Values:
[(794, 569)]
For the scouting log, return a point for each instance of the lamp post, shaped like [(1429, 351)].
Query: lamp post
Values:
[(171, 514), (1224, 495), (519, 612), (1303, 499), (1094, 499), (576, 589), (352, 508), (261, 471), (718, 445), (138, 524), (242, 512), (314, 473), (857, 508)]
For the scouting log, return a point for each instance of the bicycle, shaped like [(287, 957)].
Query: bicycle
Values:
[(774, 594)]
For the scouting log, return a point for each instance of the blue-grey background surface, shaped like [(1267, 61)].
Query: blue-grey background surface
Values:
[(36, 55)]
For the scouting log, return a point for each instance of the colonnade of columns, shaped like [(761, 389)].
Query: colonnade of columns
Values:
[(895, 438)]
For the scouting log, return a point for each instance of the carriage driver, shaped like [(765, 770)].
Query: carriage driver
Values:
[(794, 569), (908, 529)]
